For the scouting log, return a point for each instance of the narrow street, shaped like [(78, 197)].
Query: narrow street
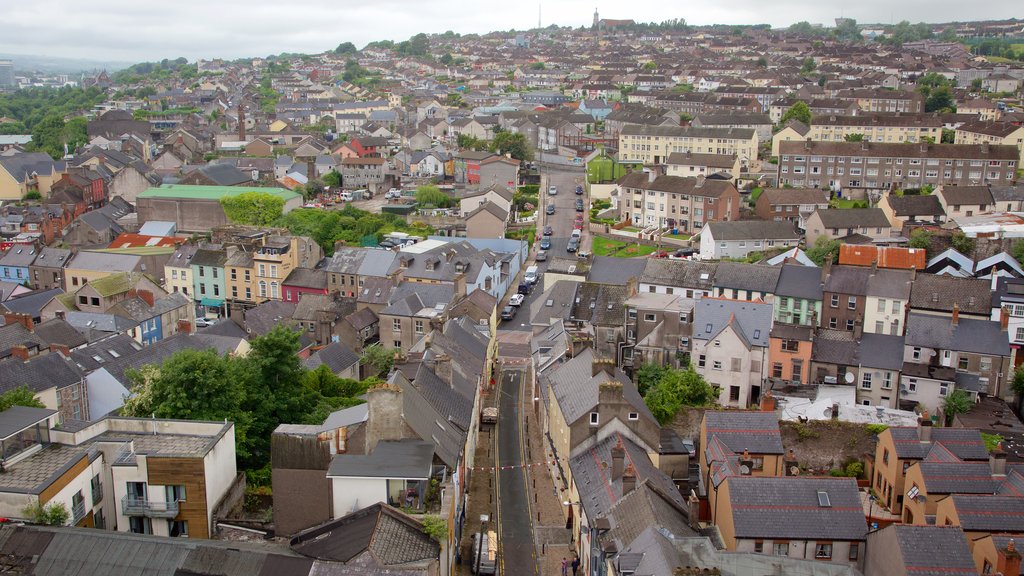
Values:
[(518, 554)]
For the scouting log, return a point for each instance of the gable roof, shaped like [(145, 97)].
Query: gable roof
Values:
[(968, 335), (935, 292), (757, 432), (752, 321), (799, 282), (985, 513), (853, 218), (916, 205), (932, 550), (789, 507), (752, 230), (577, 390), (964, 443), (750, 277)]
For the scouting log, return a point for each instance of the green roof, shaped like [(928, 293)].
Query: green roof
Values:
[(197, 192), (113, 284), (140, 250)]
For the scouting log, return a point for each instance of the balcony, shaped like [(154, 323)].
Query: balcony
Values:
[(77, 512), (138, 507)]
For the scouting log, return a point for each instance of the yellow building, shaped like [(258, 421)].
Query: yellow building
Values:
[(654, 144), (22, 173), (178, 272), (993, 133)]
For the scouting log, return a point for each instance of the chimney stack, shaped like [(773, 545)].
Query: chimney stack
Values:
[(311, 168), (443, 367), (618, 457), (628, 480), (1004, 318), (693, 510), (768, 402), (19, 318), (384, 415), (1009, 560), (605, 365), (651, 175), (835, 411), (997, 460), (924, 427), (19, 351), (858, 330), (956, 314)]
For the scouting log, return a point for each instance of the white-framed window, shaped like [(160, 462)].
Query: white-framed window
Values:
[(823, 551), (716, 365), (633, 416), (595, 418), (648, 317), (943, 389), (865, 381), (916, 354), (912, 385)]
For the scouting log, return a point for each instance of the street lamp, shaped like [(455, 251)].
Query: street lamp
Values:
[(480, 541)]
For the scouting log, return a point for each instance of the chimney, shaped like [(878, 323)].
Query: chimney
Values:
[(956, 314), (145, 295), (1008, 561), (997, 460), (864, 145), (924, 427), (792, 467), (60, 314), (184, 327), (693, 510), (311, 168), (609, 394), (858, 330), (618, 455), (19, 318), (443, 367), (605, 365), (835, 411), (19, 351), (768, 402), (700, 182), (60, 348), (384, 415), (628, 480), (651, 175), (1004, 318)]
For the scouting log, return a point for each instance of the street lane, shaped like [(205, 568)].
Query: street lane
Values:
[(516, 549)]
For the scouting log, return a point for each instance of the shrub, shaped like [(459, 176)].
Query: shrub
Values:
[(435, 527)]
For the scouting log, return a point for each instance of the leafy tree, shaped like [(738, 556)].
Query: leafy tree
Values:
[(446, 59), (52, 514), (920, 238), (379, 358), (433, 196), (848, 31), (854, 137), (762, 62), (976, 85), (647, 376), (33, 195), (15, 127), (798, 111), (435, 527), (958, 402), (253, 208), (21, 396), (948, 136), (962, 243), (513, 143), (536, 66), (470, 142), (1017, 383), (345, 48), (808, 66), (940, 100), (805, 28), (948, 34), (650, 66), (823, 250), (675, 389)]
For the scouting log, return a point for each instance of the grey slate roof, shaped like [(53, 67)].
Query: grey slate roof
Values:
[(912, 205), (679, 273), (980, 513), (964, 443), (853, 218), (17, 418), (969, 335), (880, 351), (933, 550), (18, 256), (799, 282), (886, 283), (787, 507), (39, 373), (932, 292), (757, 432), (393, 459), (752, 320), (958, 478), (609, 270), (335, 355), (15, 334), (31, 303), (120, 344), (852, 280), (577, 390), (104, 261), (58, 331), (428, 420), (835, 347), (967, 195), (751, 277), (752, 230)]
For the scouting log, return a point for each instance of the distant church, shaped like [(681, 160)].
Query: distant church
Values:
[(607, 25)]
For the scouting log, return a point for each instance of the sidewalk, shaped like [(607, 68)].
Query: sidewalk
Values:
[(481, 491)]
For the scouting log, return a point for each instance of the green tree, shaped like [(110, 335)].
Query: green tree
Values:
[(798, 111), (650, 66), (948, 136), (14, 127), (940, 100), (675, 389), (379, 358), (920, 238), (20, 396), (433, 196), (332, 179), (446, 59), (345, 48), (52, 514), (854, 137), (536, 65), (962, 243), (470, 142), (848, 31), (647, 376), (808, 66), (762, 62), (823, 250), (957, 402), (513, 143), (253, 208), (976, 85), (1017, 251)]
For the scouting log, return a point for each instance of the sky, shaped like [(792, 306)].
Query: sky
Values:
[(136, 30)]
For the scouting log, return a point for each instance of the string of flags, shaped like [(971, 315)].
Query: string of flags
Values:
[(512, 466)]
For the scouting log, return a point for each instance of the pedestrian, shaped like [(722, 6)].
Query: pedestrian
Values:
[(575, 565), (565, 566)]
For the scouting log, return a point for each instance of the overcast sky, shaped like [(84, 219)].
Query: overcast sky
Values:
[(134, 30)]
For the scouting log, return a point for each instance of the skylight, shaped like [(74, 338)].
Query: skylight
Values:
[(823, 499)]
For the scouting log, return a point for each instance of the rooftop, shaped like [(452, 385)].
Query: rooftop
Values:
[(197, 192)]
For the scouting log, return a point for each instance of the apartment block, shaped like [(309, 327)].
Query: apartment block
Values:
[(654, 144)]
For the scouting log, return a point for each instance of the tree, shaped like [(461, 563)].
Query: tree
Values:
[(650, 66), (52, 514), (675, 389), (513, 143), (446, 59), (1017, 384), (379, 358), (976, 85), (957, 402), (823, 250), (536, 65), (647, 376), (798, 111), (1018, 251), (948, 136), (332, 179), (432, 196), (808, 66), (345, 48), (762, 62), (920, 238), (468, 141), (940, 100), (253, 208), (847, 31), (962, 243), (854, 137), (948, 34), (21, 396)]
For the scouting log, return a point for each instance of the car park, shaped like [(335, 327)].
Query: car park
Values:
[(508, 313), (516, 300), (542, 256), (552, 190)]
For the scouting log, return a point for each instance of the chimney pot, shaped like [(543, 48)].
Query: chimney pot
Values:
[(618, 459), (956, 314), (628, 480)]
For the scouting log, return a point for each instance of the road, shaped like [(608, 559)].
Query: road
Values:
[(517, 552)]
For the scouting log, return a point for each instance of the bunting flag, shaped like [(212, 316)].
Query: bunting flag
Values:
[(512, 466)]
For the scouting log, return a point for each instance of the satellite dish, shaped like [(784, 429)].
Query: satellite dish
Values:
[(849, 377), (794, 470), (744, 470)]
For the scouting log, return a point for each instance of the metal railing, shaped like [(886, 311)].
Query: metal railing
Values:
[(77, 512), (156, 509)]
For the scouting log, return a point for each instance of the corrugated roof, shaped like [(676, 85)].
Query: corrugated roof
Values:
[(884, 256)]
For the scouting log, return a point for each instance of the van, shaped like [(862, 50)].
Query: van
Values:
[(576, 233), (346, 196), (531, 275), (485, 553)]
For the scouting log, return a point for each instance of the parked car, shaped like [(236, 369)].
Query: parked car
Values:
[(579, 190), (550, 209), (574, 245), (508, 313), (524, 288), (205, 322), (578, 225), (579, 204), (516, 300), (552, 190), (545, 243), (542, 256), (548, 231)]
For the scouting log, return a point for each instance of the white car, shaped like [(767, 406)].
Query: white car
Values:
[(552, 190), (516, 300)]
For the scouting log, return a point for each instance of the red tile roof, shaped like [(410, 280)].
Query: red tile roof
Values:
[(886, 256), (127, 240)]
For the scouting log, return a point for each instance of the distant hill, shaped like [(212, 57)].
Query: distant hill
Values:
[(30, 62)]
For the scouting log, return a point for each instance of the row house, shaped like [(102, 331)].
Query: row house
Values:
[(869, 166), (888, 128), (730, 346), (764, 96), (790, 204), (693, 165), (881, 100), (654, 144), (817, 106), (81, 186), (43, 222), (209, 286), (688, 204), (349, 269), (840, 223), (658, 330), (363, 173), (994, 133)]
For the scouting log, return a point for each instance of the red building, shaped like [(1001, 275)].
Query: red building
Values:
[(84, 188), (303, 281)]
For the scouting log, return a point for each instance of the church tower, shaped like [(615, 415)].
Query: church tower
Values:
[(596, 18)]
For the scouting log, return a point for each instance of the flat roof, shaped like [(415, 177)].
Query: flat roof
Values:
[(398, 459), (197, 192), (17, 418)]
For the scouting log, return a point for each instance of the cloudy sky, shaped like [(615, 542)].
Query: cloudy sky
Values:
[(134, 30)]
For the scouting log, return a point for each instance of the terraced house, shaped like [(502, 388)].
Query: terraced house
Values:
[(654, 144), (676, 202)]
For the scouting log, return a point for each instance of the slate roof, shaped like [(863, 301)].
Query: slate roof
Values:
[(263, 318), (17, 418), (880, 351), (894, 284), (751, 277), (335, 355), (31, 303), (39, 373), (969, 334), (932, 292), (647, 505), (679, 273), (752, 320), (915, 206), (836, 347), (104, 261), (600, 304), (428, 404), (757, 432), (794, 196), (15, 334), (787, 507), (18, 256), (799, 282), (609, 270), (851, 280), (853, 218), (752, 230), (967, 195), (119, 344), (577, 390), (964, 443), (983, 513), (958, 477), (933, 550), (393, 459), (52, 257), (391, 537), (58, 331)]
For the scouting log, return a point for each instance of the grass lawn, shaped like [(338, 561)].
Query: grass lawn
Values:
[(846, 204), (606, 247)]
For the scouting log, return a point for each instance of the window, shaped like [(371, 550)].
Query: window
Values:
[(396, 324), (97, 490), (912, 385), (961, 363), (759, 546), (865, 381), (851, 303), (757, 462), (832, 323), (735, 364), (177, 528), (595, 418), (798, 369), (633, 416), (174, 273), (701, 361), (854, 551), (823, 551), (214, 272), (175, 493), (648, 317), (943, 389), (791, 345), (716, 365), (879, 327), (916, 354), (780, 548), (849, 324), (139, 525), (777, 370), (835, 300), (734, 393), (887, 381), (881, 305), (202, 272), (263, 289), (84, 300)]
